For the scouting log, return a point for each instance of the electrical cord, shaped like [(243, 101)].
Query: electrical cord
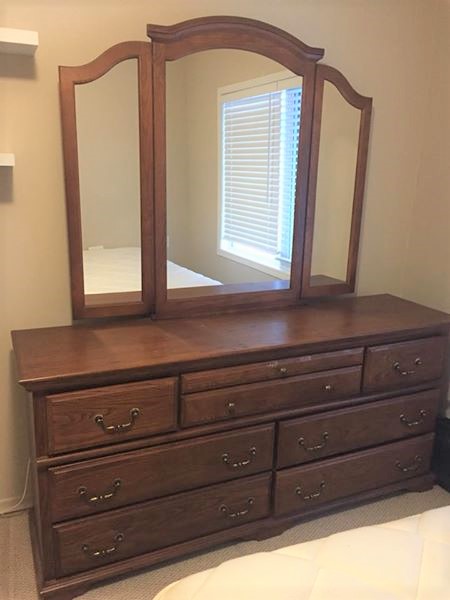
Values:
[(17, 505)]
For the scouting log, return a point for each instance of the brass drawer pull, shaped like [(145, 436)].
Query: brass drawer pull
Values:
[(397, 367), (313, 495), (283, 371), (230, 514), (134, 413), (301, 442), (103, 552), (413, 466), (82, 491), (239, 463), (328, 387), (404, 419)]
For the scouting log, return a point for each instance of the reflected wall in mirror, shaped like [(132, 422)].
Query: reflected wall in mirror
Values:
[(335, 187), (108, 163), (232, 131), (107, 114)]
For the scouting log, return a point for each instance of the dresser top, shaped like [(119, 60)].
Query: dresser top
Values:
[(90, 354)]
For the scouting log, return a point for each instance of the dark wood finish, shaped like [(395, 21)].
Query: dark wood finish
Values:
[(310, 438), (408, 363), (112, 298), (44, 461), (254, 398), (219, 378), (73, 417), (151, 473), (298, 488), (324, 280), (230, 288), (83, 355), (312, 286), (232, 30), (160, 523), (167, 465), (114, 304), (173, 42)]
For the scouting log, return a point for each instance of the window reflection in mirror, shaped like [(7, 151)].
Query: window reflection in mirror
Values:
[(232, 129), (107, 114), (338, 149)]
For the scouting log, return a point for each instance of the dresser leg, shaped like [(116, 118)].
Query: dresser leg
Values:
[(421, 484)]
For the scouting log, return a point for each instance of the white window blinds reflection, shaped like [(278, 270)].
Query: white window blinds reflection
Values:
[(259, 164)]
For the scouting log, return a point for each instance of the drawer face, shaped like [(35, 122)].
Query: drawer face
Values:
[(294, 392), (264, 371), (302, 488), (309, 438), (403, 364), (97, 485), (116, 535), (107, 415)]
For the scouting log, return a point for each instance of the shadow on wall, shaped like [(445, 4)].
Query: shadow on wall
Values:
[(6, 184), (18, 66), (13, 66)]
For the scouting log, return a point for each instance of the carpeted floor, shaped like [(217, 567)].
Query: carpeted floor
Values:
[(16, 568)]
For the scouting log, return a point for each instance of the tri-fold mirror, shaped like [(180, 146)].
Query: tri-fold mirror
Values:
[(214, 168)]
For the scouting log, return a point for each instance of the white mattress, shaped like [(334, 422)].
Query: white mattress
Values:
[(108, 270), (408, 559)]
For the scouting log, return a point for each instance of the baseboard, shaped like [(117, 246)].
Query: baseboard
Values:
[(10, 505)]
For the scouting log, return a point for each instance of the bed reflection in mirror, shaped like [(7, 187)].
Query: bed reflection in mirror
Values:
[(232, 130), (107, 113), (338, 148)]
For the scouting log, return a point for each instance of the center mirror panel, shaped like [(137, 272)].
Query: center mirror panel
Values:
[(107, 115), (232, 132)]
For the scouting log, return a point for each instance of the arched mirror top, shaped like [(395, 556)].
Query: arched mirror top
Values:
[(238, 33), (103, 63)]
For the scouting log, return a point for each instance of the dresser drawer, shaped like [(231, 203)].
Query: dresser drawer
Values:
[(403, 364), (107, 415), (310, 438), (97, 485), (93, 541), (255, 398), (302, 488), (264, 371)]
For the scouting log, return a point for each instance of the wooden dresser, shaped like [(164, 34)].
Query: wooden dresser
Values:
[(156, 439)]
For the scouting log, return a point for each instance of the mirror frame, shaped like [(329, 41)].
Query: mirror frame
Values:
[(364, 105), (168, 43), (121, 303), (209, 33)]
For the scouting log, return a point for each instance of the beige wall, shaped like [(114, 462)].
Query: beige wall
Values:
[(427, 271), (386, 48)]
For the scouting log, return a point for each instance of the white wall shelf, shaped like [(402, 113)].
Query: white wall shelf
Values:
[(18, 41), (7, 160)]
